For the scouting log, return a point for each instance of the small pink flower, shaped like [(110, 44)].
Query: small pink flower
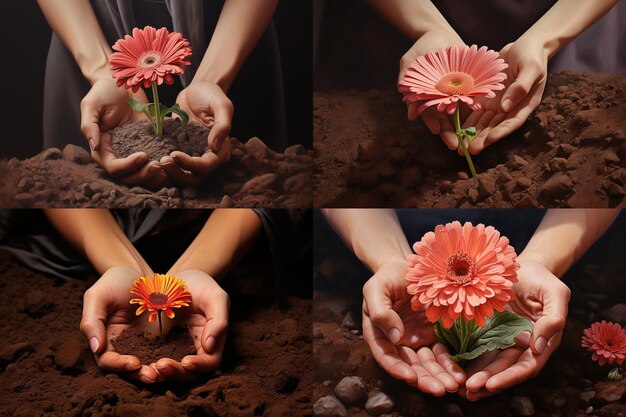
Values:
[(455, 73), (607, 341), (149, 56), (461, 271)]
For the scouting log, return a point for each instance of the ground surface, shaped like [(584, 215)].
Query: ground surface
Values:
[(570, 153), (254, 177), (570, 385), (47, 369)]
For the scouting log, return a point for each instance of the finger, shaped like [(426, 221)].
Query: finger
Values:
[(146, 374), (430, 120), (174, 371), (158, 181), (473, 119), (223, 114), (425, 381), (528, 75), (447, 133), (385, 353), (381, 312), (503, 360), (412, 114), (89, 118), (216, 314), (202, 363), (112, 361), (479, 143), (117, 167), (434, 368), (451, 367), (200, 166), (143, 175), (92, 322), (553, 319)]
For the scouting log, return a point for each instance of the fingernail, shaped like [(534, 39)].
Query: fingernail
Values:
[(506, 104), (187, 364), (146, 380), (210, 344), (540, 344), (92, 144), (93, 344), (394, 335)]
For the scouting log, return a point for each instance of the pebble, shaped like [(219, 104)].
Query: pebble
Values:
[(261, 183), (609, 392), (587, 396), (327, 383), (25, 184), (295, 150), (616, 314), (558, 185), (227, 202), (589, 410), (486, 186), (564, 150), (516, 162), (522, 406), (50, 154), (257, 148), (350, 389), (329, 406), (348, 321), (378, 404), (76, 154)]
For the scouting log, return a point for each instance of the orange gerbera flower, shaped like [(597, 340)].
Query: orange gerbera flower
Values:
[(159, 293), (461, 271)]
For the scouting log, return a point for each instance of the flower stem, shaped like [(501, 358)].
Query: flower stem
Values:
[(158, 122), (461, 136), (160, 329)]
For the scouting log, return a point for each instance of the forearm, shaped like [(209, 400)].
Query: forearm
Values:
[(414, 18), (375, 236), (75, 23), (96, 234), (224, 239), (565, 20), (564, 235), (241, 24)]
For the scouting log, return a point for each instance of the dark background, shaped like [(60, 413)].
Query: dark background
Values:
[(25, 38)]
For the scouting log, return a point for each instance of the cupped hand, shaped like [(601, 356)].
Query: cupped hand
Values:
[(507, 112), (103, 108), (206, 104), (437, 122), (542, 298), (207, 321), (403, 341), (106, 314)]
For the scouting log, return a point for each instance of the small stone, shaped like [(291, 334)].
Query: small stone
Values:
[(462, 175), (350, 389), (76, 154), (609, 391), (190, 193), (589, 410), (616, 314), (564, 150), (472, 193), (139, 190), (51, 154), (486, 186), (172, 192), (522, 406), (587, 396), (295, 150), (257, 148), (557, 186), (348, 321), (227, 202), (446, 186), (516, 162), (25, 184), (261, 183), (329, 406), (23, 199), (557, 164), (611, 157), (378, 404), (524, 183), (327, 383)]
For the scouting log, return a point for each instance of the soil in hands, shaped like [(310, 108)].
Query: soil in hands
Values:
[(571, 152), (149, 349), (140, 137)]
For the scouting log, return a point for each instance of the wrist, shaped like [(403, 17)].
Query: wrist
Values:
[(536, 258), (545, 44), (220, 75)]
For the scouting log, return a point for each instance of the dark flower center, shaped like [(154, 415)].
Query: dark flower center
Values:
[(461, 268), (157, 299)]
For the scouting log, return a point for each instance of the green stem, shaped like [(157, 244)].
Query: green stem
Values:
[(461, 136), (160, 329), (158, 123)]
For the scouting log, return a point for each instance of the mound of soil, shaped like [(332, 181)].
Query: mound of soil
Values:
[(149, 349), (570, 384), (140, 137), (46, 367), (254, 177), (571, 152)]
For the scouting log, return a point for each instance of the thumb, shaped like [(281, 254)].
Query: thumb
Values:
[(217, 322), (527, 76), (89, 117), (382, 314), (223, 113), (545, 328), (92, 322)]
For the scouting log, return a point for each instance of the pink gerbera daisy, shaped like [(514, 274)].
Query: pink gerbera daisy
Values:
[(455, 73), (461, 271), (607, 341), (149, 56)]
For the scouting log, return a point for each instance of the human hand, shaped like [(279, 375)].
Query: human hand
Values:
[(205, 103), (103, 108), (542, 298), (437, 122), (527, 75), (403, 341), (106, 314), (207, 321)]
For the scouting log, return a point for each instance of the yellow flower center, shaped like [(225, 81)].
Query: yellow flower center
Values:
[(461, 268), (157, 299), (455, 84), (150, 59)]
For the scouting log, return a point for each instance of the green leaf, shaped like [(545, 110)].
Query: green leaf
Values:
[(449, 337), (136, 106), (470, 132), (184, 117), (499, 333)]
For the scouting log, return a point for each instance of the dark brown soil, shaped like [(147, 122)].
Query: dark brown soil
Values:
[(254, 177), (149, 349), (570, 385), (46, 367), (140, 137), (570, 153)]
